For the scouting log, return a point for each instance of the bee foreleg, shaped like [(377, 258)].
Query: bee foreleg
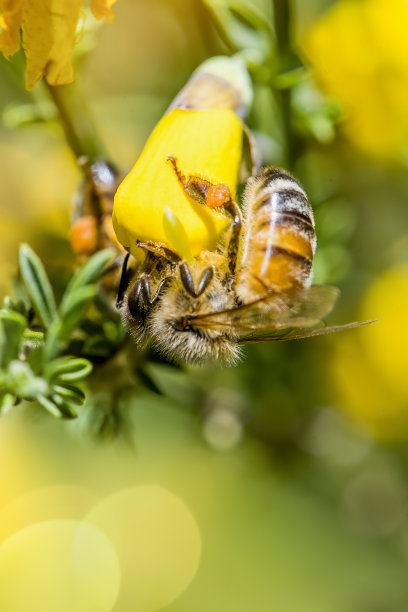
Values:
[(163, 285), (188, 282), (233, 241), (161, 250), (140, 300)]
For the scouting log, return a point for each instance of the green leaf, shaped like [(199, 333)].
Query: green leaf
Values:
[(50, 406), (37, 285), (12, 327), (77, 298), (67, 411), (7, 401), (88, 273), (22, 381), (70, 393), (53, 342), (74, 309), (67, 369), (243, 27)]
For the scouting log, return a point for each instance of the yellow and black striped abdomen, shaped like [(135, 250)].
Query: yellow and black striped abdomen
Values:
[(279, 240)]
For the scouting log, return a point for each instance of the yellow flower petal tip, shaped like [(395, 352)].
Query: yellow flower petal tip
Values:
[(207, 144), (175, 233)]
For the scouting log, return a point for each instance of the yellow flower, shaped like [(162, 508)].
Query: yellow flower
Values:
[(358, 52), (206, 143), (370, 368), (48, 35)]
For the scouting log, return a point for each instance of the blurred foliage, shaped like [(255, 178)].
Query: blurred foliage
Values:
[(357, 51), (304, 506), (36, 337)]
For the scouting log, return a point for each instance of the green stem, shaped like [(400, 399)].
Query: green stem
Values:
[(79, 129), (283, 27)]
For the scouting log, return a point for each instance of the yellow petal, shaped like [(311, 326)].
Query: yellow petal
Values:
[(205, 143), (49, 28), (358, 54), (11, 19), (176, 233), (102, 8)]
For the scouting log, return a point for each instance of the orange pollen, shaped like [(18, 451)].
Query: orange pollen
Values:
[(83, 235), (217, 196)]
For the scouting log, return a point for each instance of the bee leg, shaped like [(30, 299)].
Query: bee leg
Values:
[(233, 241), (195, 187), (160, 289), (215, 196), (160, 250), (181, 177), (139, 298), (188, 281)]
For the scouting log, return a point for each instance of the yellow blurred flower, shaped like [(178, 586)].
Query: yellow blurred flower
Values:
[(48, 35), (206, 143), (358, 52), (370, 368)]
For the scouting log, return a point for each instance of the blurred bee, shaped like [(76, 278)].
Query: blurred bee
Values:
[(255, 288), (91, 227)]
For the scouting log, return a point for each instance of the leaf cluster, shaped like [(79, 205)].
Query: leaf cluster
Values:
[(39, 339)]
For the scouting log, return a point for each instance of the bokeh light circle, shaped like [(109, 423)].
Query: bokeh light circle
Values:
[(58, 566), (158, 543)]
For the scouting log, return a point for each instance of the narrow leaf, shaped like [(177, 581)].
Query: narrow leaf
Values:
[(75, 308), (53, 343), (90, 272), (37, 284), (67, 411), (49, 406), (77, 297), (68, 369), (70, 393), (13, 326)]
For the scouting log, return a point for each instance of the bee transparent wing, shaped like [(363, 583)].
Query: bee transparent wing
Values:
[(296, 333), (274, 314)]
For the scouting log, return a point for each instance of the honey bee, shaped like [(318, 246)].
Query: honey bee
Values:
[(256, 287), (91, 228)]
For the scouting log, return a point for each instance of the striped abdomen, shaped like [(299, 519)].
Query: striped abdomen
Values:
[(279, 240)]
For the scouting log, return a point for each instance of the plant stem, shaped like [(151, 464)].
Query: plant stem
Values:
[(282, 19), (79, 129)]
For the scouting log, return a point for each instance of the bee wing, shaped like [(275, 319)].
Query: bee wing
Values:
[(309, 307), (296, 333)]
